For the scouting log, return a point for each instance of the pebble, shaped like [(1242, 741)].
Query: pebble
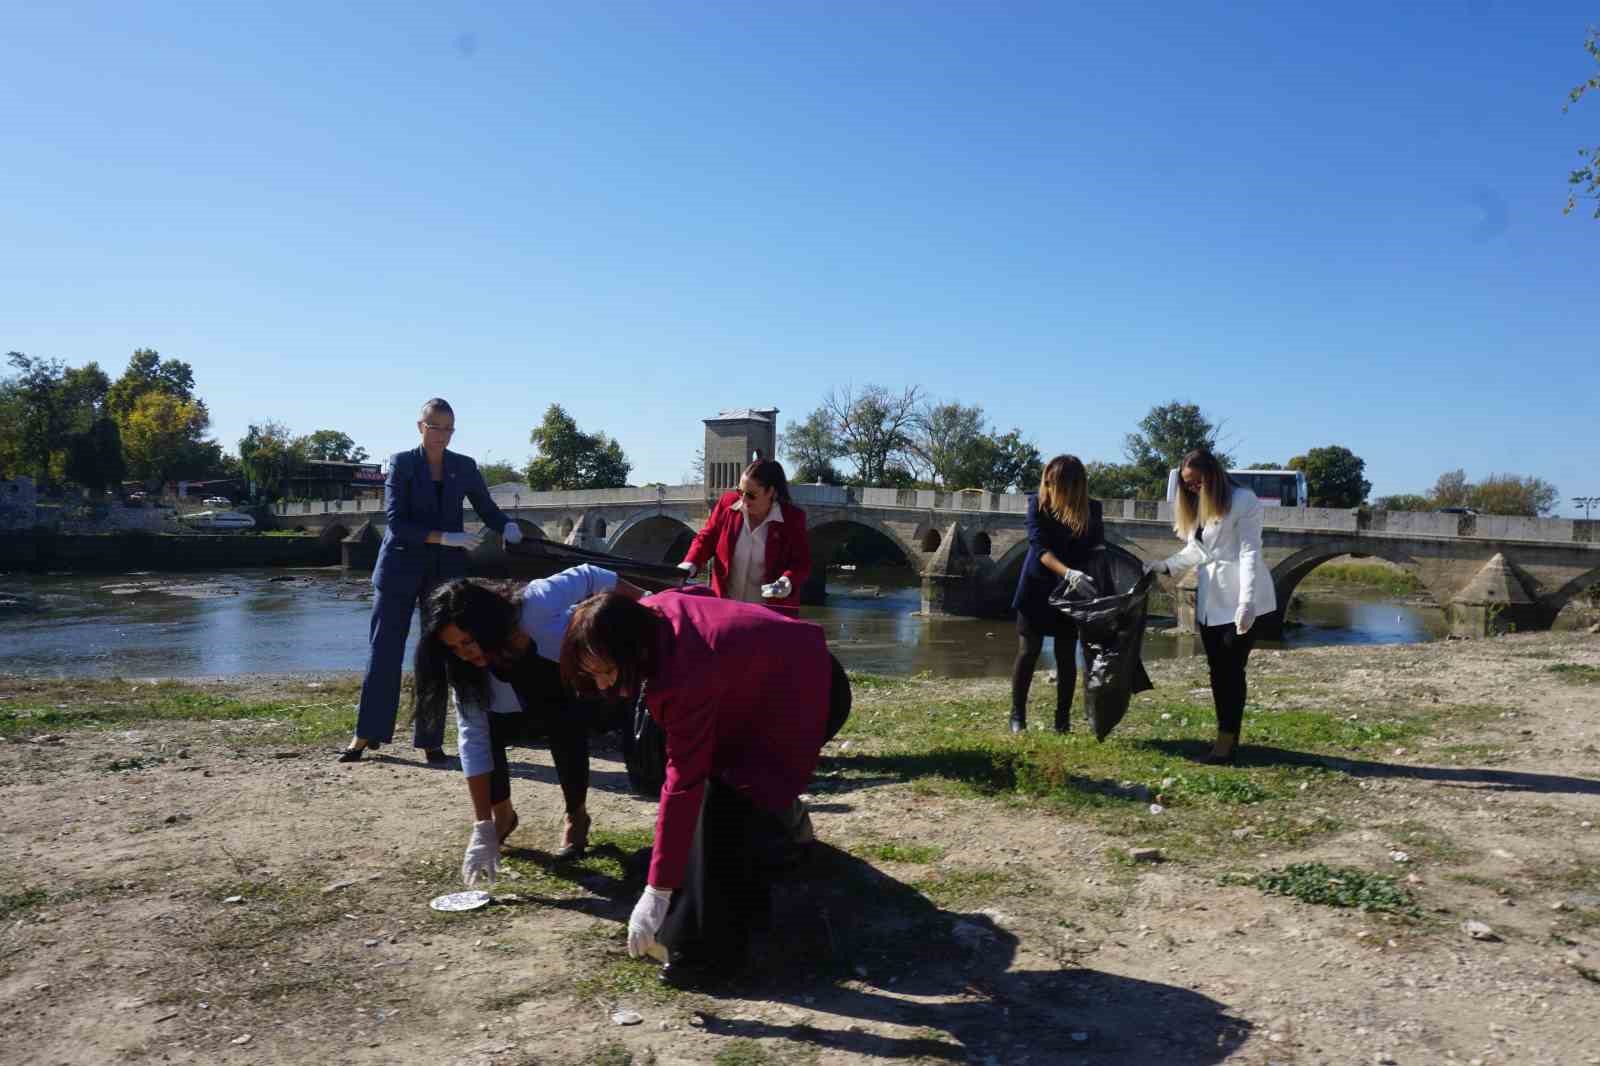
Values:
[(1478, 930), (1383, 1058), (1156, 808), (1399, 856), (626, 1017), (1145, 854), (336, 886), (245, 1039), (371, 943), (234, 899)]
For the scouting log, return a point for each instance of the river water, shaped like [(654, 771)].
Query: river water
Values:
[(275, 621)]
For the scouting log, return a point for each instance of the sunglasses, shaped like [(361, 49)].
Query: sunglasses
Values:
[(446, 430)]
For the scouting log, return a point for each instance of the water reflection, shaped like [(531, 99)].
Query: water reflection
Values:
[(141, 625)]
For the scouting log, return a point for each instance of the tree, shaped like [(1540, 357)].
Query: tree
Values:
[(496, 473), (1012, 463), (1114, 481), (330, 445), (1333, 476), (875, 428), (1585, 181), (1510, 494), (94, 456), (147, 373), (1267, 466), (161, 437), (811, 447), (950, 440), (269, 454), (1405, 501), (1451, 490), (45, 406), (571, 459), (1165, 436)]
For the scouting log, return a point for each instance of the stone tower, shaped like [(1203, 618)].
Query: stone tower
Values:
[(733, 439)]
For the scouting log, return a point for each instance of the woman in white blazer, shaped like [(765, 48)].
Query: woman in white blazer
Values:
[(1220, 523)]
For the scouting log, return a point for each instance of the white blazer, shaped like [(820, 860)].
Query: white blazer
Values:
[(1228, 553)]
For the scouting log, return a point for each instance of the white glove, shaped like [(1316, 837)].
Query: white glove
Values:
[(1245, 618), (1157, 567), (455, 540), (779, 589), (483, 854), (512, 534), (687, 567), (1078, 581), (646, 919)]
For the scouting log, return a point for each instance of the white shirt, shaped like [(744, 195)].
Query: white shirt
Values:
[(1228, 552), (750, 556)]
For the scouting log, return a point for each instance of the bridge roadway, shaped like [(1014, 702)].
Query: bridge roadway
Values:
[(1489, 572)]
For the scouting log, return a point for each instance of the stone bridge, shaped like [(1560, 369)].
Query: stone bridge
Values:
[(1488, 572)]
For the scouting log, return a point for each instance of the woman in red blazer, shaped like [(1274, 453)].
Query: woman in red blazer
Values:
[(745, 699), (756, 542)]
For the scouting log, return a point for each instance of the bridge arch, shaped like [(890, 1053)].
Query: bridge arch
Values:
[(831, 536), (1288, 574), (1553, 604), (652, 538)]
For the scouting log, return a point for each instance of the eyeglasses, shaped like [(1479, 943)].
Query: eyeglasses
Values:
[(446, 430)]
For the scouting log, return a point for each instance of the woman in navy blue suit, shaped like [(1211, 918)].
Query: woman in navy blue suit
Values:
[(1063, 525), (423, 544)]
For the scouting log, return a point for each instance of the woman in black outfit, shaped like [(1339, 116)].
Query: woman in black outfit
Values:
[(1063, 526)]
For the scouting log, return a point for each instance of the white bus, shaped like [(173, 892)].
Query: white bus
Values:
[(1275, 488)]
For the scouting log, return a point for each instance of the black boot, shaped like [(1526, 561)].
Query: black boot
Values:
[(1063, 721), (1019, 721)]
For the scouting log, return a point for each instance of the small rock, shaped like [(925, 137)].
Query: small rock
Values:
[(245, 1039), (1399, 856), (1242, 832), (1145, 854), (369, 942), (1559, 905), (626, 1017), (1399, 751), (234, 899), (1156, 808), (1383, 1058), (336, 886), (1478, 930)]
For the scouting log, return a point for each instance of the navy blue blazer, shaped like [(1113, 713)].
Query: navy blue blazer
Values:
[(1046, 534), (414, 510)]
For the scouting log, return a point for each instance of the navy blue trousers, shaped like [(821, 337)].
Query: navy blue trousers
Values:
[(380, 687)]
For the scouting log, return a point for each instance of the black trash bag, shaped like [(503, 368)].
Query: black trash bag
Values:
[(1110, 621)]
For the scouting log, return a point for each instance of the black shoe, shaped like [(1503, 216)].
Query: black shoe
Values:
[(436, 755), (1019, 722), (353, 754), (697, 972), (1063, 723), (1230, 759)]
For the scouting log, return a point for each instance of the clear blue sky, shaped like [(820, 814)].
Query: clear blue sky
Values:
[(1333, 223)]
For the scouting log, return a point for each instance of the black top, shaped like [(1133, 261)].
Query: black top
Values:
[(1047, 534)]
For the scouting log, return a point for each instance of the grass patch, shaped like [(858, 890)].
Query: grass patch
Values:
[(1376, 576), (1342, 886), (744, 1052), (1420, 840), (46, 706), (611, 1053), (630, 980), (1576, 673), (897, 851), (966, 888), (15, 905)]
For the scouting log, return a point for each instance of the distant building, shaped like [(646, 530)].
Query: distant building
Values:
[(19, 503), (325, 479), (734, 439)]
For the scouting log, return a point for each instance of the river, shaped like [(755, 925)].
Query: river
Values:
[(202, 624)]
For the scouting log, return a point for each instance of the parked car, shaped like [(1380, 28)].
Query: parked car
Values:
[(218, 501)]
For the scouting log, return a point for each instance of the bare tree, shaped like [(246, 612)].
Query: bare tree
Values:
[(876, 428)]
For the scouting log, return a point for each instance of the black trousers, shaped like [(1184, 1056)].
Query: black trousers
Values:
[(1226, 655), (565, 731), (738, 849), (1030, 642)]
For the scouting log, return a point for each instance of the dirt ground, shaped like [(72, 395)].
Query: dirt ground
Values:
[(200, 892)]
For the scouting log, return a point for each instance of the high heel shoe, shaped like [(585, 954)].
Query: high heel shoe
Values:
[(575, 838), (353, 753), (512, 828)]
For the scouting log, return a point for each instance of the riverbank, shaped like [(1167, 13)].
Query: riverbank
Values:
[(46, 551), (192, 869)]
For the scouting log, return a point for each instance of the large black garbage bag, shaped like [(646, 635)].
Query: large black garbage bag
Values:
[(644, 753), (1110, 623)]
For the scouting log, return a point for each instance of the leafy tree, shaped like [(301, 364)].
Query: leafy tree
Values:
[(875, 428), (162, 436), (146, 373), (950, 440), (1268, 466), (811, 447), (1585, 181), (1333, 476), (45, 405), (1113, 481), (1405, 501), (496, 473), (1510, 494), (1165, 436), (571, 459), (1451, 490), (330, 445), (94, 456), (269, 454), (1013, 463)]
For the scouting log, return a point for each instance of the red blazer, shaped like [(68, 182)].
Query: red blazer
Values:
[(741, 693), (788, 549)]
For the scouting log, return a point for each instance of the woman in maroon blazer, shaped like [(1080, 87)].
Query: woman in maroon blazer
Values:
[(756, 542), (745, 698)]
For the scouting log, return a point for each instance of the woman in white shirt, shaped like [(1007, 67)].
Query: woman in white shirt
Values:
[(1221, 523)]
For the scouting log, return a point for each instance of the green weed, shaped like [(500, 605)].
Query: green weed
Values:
[(16, 904), (895, 851), (1576, 673), (1315, 882)]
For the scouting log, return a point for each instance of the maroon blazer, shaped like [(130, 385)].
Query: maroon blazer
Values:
[(788, 549), (741, 693)]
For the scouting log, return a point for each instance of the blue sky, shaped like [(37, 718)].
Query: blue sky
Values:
[(1323, 223)]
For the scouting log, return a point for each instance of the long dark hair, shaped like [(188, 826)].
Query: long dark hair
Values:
[(770, 473), (486, 611), (614, 628), (1195, 509)]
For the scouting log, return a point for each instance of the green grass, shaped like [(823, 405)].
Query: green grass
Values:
[(622, 980), (15, 905), (46, 706), (1342, 886), (969, 888), (611, 1053), (1377, 576), (897, 851), (744, 1053), (1576, 673)]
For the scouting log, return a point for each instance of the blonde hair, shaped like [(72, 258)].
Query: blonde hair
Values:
[(1064, 492), (1194, 509)]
